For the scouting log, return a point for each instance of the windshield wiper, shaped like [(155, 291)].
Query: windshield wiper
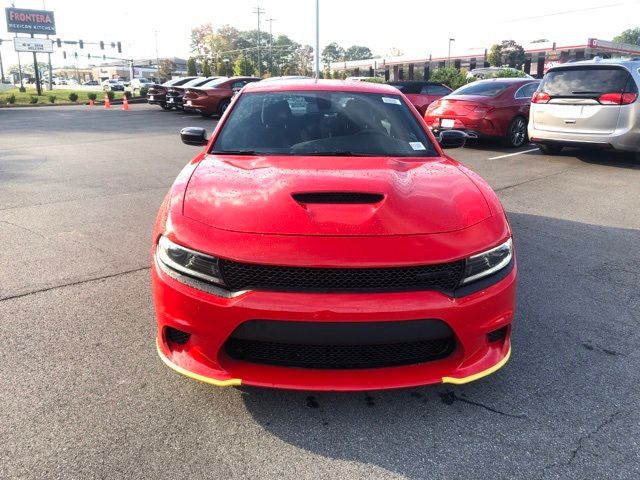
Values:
[(234, 152)]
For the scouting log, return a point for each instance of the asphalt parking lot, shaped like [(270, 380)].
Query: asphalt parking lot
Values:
[(84, 395)]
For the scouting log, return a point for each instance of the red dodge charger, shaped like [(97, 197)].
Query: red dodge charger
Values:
[(322, 240), (215, 97), (496, 108)]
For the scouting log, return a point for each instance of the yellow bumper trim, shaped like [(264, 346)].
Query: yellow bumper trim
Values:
[(484, 373), (232, 382)]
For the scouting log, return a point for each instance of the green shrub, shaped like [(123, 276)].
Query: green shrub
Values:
[(22, 89), (11, 99), (450, 76), (92, 96), (375, 80), (111, 95), (144, 91), (33, 99), (507, 73), (127, 94), (52, 99), (73, 96), (2, 101)]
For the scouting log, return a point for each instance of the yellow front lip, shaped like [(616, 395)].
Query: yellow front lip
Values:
[(232, 382), (484, 373)]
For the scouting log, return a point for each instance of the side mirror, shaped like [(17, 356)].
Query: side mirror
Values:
[(195, 136), (452, 139)]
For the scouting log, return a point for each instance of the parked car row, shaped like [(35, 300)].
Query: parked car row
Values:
[(206, 95)]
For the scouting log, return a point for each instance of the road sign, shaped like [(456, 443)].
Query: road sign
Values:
[(20, 20), (36, 45)]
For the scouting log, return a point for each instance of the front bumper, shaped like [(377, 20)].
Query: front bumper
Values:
[(210, 319)]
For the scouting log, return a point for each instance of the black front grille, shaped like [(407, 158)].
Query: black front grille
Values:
[(339, 356), (340, 345), (245, 276)]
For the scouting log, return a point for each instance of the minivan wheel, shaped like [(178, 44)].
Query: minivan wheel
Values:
[(550, 149), (517, 132)]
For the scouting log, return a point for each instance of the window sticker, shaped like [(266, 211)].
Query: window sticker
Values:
[(417, 145), (392, 101)]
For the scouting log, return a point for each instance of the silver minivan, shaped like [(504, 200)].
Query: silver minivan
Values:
[(589, 104)]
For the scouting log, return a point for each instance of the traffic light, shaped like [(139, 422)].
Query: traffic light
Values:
[(58, 42), (119, 47), (88, 56), (101, 45), (80, 43)]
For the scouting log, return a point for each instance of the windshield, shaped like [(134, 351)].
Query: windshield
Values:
[(489, 88), (585, 81), (215, 82), (323, 123)]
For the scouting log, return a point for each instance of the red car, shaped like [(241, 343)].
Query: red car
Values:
[(422, 94), (157, 94), (216, 96), (322, 240), (495, 108)]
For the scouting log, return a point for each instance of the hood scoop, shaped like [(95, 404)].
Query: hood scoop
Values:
[(337, 198)]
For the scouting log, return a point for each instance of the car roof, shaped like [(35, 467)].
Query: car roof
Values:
[(594, 62), (321, 86), (506, 80)]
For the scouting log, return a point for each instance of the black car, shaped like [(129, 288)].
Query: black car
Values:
[(175, 93)]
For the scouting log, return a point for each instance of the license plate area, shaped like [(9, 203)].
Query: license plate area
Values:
[(447, 122)]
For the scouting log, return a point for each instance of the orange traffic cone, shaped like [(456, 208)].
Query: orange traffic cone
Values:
[(125, 103), (107, 102), (90, 103)]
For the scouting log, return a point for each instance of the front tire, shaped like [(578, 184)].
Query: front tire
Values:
[(206, 114), (164, 106), (517, 133), (550, 149)]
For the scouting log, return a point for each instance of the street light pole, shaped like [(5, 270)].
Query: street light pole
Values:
[(449, 55), (157, 59), (317, 52)]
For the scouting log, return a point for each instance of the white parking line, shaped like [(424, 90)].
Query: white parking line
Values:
[(513, 154)]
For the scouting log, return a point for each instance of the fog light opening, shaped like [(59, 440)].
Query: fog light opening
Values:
[(498, 334), (176, 336)]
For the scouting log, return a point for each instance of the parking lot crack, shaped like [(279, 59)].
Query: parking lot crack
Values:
[(450, 397), (535, 179), (22, 227), (71, 284)]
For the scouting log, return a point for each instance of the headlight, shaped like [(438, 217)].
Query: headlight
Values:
[(189, 262), (488, 262)]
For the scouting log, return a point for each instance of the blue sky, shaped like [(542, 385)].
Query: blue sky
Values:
[(414, 27)]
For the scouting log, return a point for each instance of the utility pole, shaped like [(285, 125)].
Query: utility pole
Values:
[(36, 71), (49, 56), (258, 11), (317, 52), (157, 59), (1, 67), (271, 20)]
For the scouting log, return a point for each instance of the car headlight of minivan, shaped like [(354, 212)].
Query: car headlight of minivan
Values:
[(187, 261), (487, 263)]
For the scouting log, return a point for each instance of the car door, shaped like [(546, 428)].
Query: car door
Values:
[(523, 97), (577, 99)]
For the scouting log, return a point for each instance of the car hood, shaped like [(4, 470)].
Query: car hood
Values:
[(271, 195)]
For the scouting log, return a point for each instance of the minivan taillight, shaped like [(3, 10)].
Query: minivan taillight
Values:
[(617, 98), (540, 97)]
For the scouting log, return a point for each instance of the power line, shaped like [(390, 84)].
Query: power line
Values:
[(566, 12)]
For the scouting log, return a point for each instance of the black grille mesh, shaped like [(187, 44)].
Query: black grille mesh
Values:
[(338, 197), (339, 356), (243, 276)]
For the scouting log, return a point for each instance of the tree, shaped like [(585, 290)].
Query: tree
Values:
[(357, 52), (506, 73), (192, 70), (507, 52), (206, 68), (631, 36), (450, 76), (244, 66), (394, 52), (166, 68), (199, 41), (332, 53)]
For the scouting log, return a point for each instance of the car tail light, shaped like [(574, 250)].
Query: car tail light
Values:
[(540, 97), (617, 98)]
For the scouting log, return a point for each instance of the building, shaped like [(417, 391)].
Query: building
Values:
[(147, 68), (539, 57)]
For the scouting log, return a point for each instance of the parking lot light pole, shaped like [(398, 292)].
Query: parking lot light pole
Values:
[(317, 52), (449, 55)]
